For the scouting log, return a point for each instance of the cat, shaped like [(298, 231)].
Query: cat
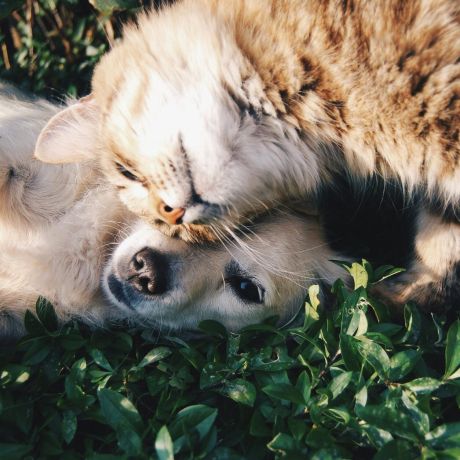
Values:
[(209, 112)]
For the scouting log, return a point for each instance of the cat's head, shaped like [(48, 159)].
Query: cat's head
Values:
[(180, 122)]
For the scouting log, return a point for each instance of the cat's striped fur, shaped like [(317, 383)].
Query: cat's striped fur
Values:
[(263, 98)]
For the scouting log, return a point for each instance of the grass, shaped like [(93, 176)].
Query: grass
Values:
[(347, 383)]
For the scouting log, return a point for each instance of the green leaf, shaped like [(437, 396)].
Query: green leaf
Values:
[(157, 354), (389, 419), (402, 364), (444, 436), (319, 437), (13, 451), (413, 324), (358, 323), (68, 426), (285, 392), (448, 454), (46, 314), (420, 419), (304, 386), (395, 450), (283, 443), (239, 390), (118, 409), (213, 374), (375, 355), (361, 395), (359, 274), (282, 361), (78, 370), (128, 440), (340, 383), (338, 414), (453, 349), (350, 353), (38, 350), (258, 426), (100, 359), (163, 444), (384, 272), (108, 7), (14, 374), (313, 296), (213, 328), (120, 414), (198, 418), (388, 329), (33, 325), (72, 341), (423, 385), (297, 427), (381, 339)]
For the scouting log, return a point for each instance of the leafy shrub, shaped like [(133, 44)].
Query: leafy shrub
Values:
[(50, 47), (348, 383)]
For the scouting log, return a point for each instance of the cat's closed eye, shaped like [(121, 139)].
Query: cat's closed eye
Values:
[(126, 173)]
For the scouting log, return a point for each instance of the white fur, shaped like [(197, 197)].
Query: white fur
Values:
[(54, 221), (199, 286), (57, 241)]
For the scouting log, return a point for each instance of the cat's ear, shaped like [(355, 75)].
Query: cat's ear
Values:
[(71, 135)]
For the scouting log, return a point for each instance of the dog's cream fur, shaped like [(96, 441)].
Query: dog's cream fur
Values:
[(54, 222), (280, 256)]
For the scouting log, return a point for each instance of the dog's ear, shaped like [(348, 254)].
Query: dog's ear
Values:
[(71, 135)]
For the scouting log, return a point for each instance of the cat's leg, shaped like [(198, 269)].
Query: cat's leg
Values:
[(433, 278)]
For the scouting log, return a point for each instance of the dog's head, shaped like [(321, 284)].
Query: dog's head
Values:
[(175, 285)]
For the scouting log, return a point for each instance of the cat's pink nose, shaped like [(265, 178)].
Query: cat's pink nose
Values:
[(172, 216)]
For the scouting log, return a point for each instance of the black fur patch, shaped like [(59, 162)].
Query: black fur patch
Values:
[(371, 219)]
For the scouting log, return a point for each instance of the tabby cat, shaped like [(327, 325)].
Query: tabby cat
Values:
[(210, 112)]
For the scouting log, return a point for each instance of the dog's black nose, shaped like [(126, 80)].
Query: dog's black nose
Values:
[(147, 272)]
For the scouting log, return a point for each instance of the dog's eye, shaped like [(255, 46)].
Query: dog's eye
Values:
[(124, 172), (246, 289)]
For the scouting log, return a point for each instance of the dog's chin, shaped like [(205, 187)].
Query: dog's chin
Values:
[(115, 293)]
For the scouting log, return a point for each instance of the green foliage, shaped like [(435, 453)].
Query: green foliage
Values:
[(50, 47), (347, 383)]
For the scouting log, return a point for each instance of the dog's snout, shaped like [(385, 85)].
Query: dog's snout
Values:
[(147, 272)]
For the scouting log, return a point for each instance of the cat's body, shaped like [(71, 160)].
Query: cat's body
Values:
[(220, 109)]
